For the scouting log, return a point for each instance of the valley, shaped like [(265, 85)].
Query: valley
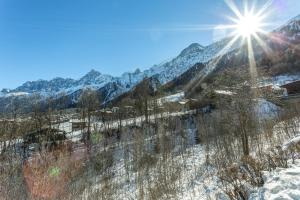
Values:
[(216, 122)]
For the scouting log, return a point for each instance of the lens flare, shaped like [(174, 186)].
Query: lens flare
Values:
[(248, 25)]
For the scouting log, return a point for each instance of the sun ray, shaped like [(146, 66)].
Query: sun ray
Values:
[(231, 26), (211, 65), (264, 46), (231, 4), (252, 62), (227, 47), (253, 7), (234, 20), (248, 27), (246, 9), (282, 39), (265, 7)]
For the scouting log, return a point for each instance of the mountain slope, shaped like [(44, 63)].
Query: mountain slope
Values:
[(116, 86), (178, 71), (281, 58), (284, 58)]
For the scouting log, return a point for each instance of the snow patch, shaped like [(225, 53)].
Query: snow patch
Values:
[(281, 184), (265, 109), (295, 140), (171, 98), (225, 92), (16, 94)]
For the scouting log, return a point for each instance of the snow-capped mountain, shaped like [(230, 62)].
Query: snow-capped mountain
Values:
[(290, 31), (292, 27), (165, 72), (190, 56), (277, 56)]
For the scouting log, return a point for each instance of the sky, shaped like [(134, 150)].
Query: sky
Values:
[(44, 39)]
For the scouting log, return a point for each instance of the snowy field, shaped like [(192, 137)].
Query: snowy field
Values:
[(282, 183), (200, 181), (196, 179)]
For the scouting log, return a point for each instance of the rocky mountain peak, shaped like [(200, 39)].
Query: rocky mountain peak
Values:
[(92, 73), (94, 77), (5, 90), (193, 48), (291, 27), (165, 72), (137, 71)]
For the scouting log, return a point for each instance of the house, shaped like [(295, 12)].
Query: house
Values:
[(45, 135), (292, 88), (78, 125)]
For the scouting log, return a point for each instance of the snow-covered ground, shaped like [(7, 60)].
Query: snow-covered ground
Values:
[(265, 109), (14, 94), (197, 181), (200, 181), (171, 98), (10, 143), (290, 143), (281, 184)]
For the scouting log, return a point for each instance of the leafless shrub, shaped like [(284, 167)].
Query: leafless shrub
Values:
[(238, 179)]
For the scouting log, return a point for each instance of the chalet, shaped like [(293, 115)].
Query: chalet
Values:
[(292, 88), (45, 135), (184, 104), (78, 125)]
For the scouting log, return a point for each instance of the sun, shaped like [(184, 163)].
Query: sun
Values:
[(248, 25), (247, 29)]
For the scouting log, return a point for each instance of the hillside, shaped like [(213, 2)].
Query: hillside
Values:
[(185, 72)]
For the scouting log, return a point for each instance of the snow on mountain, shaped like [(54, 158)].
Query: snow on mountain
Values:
[(55, 86), (15, 94), (193, 48), (52, 86), (164, 72), (293, 24), (94, 78), (4, 92), (291, 29), (130, 79), (190, 56)]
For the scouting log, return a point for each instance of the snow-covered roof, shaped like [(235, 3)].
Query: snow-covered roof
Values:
[(225, 92)]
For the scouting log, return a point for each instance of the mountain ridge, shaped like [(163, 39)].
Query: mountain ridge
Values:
[(164, 72)]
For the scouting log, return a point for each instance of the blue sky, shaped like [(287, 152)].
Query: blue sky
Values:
[(43, 39)]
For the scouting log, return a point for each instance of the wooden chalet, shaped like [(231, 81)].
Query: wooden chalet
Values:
[(292, 88)]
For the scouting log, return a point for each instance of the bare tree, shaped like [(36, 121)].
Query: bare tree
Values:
[(88, 102)]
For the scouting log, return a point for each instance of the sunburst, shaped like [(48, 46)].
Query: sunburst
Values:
[(247, 25)]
